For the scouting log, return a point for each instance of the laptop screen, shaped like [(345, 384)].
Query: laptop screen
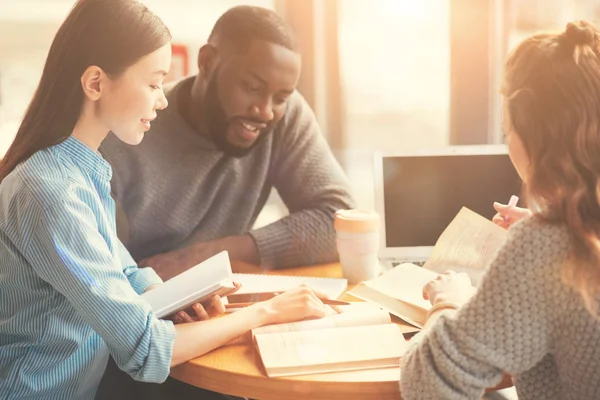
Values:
[(422, 194)]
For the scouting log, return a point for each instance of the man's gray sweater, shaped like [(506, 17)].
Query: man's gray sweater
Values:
[(176, 188)]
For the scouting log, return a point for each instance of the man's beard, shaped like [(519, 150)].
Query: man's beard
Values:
[(218, 123)]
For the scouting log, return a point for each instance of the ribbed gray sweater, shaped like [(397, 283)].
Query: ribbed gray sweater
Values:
[(523, 320), (177, 188)]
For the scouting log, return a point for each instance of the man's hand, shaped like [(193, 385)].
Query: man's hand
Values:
[(170, 264)]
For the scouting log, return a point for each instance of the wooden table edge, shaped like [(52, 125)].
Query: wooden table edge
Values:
[(265, 388)]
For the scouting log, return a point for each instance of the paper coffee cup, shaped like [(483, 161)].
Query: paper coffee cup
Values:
[(357, 238)]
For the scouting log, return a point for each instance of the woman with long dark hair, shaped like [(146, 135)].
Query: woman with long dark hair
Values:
[(69, 291)]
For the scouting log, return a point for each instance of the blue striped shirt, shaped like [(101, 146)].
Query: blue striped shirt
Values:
[(69, 291)]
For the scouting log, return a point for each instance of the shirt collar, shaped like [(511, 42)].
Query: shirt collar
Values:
[(86, 158)]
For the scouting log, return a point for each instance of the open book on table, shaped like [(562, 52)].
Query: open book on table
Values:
[(400, 292), (196, 285), (468, 244), (361, 337)]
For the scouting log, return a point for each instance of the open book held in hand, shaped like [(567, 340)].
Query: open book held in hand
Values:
[(361, 337), (196, 285), (468, 244)]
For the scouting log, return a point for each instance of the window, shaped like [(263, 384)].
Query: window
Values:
[(395, 69), (394, 60)]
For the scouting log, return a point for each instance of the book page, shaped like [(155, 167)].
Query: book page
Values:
[(404, 282), (412, 314), (332, 288), (360, 314), (360, 347), (468, 244)]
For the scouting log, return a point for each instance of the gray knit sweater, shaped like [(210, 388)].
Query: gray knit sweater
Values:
[(523, 320), (176, 188)]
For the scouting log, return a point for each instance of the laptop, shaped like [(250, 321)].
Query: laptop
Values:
[(418, 194)]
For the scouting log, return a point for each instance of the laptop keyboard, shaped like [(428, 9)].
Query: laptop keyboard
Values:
[(419, 263), (387, 265)]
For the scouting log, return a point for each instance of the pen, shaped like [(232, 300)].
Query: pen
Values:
[(511, 203), (325, 301)]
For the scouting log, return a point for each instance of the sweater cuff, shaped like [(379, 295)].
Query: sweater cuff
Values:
[(442, 305), (275, 245)]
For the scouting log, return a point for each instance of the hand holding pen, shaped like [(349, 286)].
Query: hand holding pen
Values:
[(508, 214)]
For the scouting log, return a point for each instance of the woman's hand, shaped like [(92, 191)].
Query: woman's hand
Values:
[(201, 312), (453, 287), (507, 215), (293, 305), (213, 308)]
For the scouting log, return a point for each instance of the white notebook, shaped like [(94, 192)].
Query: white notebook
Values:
[(332, 288), (197, 284)]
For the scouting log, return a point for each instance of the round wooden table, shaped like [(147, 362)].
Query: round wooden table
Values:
[(236, 369)]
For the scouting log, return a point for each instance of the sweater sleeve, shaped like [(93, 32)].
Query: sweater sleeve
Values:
[(505, 327), (312, 185)]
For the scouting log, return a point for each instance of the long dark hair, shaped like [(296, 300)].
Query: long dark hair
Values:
[(552, 85), (109, 34)]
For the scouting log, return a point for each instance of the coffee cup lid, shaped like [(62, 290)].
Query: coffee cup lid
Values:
[(356, 220)]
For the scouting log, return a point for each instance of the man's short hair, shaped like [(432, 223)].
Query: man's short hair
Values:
[(240, 25)]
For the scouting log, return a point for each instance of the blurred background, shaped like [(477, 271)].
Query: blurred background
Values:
[(390, 75)]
